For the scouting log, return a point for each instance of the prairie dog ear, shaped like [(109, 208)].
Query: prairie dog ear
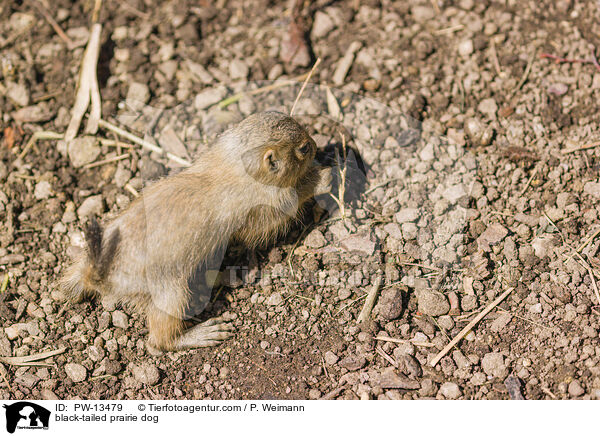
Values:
[(271, 161)]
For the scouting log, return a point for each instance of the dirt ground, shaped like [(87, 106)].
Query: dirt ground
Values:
[(468, 121)]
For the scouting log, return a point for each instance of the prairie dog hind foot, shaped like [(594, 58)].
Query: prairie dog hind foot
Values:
[(208, 334)]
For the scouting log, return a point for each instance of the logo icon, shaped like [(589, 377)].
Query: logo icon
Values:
[(26, 415)]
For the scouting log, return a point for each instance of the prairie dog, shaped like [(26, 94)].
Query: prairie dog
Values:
[(246, 188)]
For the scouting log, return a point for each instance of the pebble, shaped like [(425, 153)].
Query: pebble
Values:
[(238, 69), (322, 25), (83, 151), (450, 390), (209, 97), (488, 107), (454, 193), (432, 303), (76, 372), (146, 373), (389, 379), (362, 244), (465, 48), (427, 153), (592, 188), (314, 394), (493, 235), (18, 93), (120, 319), (389, 306), (353, 362), (422, 14), (499, 323), (43, 190), (274, 299), (138, 95), (493, 365), (409, 231), (315, 239), (331, 358), (575, 389), (93, 205), (407, 215)]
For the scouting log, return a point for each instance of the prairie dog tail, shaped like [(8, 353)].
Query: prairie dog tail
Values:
[(86, 275)]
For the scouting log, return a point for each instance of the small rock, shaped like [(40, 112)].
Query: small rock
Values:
[(513, 386), (407, 215), (488, 107), (11, 259), (209, 97), (427, 153), (18, 93), (592, 188), (362, 244), (76, 372), (322, 25), (146, 373), (450, 390), (43, 190), (83, 151), (432, 303), (389, 379), (465, 48), (34, 114), (353, 362), (493, 235), (315, 239), (499, 323), (422, 14), (558, 89), (493, 365), (454, 193), (274, 299), (409, 231), (575, 389), (389, 306), (93, 205), (238, 69), (331, 358), (138, 95), (120, 319), (314, 394)]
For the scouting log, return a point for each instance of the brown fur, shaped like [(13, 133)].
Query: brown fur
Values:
[(247, 187)]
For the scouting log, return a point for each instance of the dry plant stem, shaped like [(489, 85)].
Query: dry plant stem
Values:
[(32, 360), (54, 24), (404, 341), (88, 88), (386, 356), (342, 183), (587, 241), (4, 283), (525, 74), (333, 394), (106, 161), (131, 190), (581, 147), (145, 144), (365, 313), (45, 134), (469, 326), (280, 84), (3, 374), (533, 173), (312, 70)]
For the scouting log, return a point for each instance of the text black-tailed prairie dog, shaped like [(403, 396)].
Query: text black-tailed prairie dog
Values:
[(246, 188)]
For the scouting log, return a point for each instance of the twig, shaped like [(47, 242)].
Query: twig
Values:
[(525, 74), (4, 283), (32, 360), (386, 356), (44, 134), (88, 87), (549, 392), (342, 182), (333, 394), (450, 29), (587, 266), (495, 58), (365, 313), (53, 24), (279, 84), (559, 59), (380, 185), (533, 173), (147, 145), (469, 326), (581, 147), (132, 190), (312, 70), (404, 341), (435, 268), (587, 241), (351, 303), (106, 161)]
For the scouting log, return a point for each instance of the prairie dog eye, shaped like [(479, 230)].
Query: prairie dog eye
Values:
[(305, 148)]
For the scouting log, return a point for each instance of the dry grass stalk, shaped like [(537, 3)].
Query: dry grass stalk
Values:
[(365, 313), (312, 70)]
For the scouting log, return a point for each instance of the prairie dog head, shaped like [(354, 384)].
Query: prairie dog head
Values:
[(275, 149)]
